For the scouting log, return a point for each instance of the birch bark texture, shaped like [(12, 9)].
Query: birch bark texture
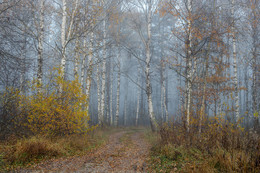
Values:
[(63, 39), (40, 47), (189, 66), (235, 62), (148, 64), (118, 87), (103, 85)]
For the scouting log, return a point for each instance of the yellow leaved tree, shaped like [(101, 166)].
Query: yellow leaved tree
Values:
[(50, 112)]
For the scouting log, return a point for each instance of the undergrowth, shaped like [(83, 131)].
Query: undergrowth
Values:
[(19, 153), (218, 148)]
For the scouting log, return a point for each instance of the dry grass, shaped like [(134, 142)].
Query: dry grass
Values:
[(217, 149), (25, 152)]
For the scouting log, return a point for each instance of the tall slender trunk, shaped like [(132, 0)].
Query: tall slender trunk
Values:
[(202, 108), (235, 63), (72, 19), (40, 47), (63, 40), (147, 70), (188, 68), (118, 87), (107, 105), (138, 96), (103, 86), (90, 68), (99, 96), (64, 37), (83, 67)]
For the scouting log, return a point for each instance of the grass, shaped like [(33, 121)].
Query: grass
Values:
[(19, 153), (174, 151), (151, 137), (168, 158)]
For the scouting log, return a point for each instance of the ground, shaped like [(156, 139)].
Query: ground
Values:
[(125, 151)]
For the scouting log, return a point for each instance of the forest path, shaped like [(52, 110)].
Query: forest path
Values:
[(125, 151)]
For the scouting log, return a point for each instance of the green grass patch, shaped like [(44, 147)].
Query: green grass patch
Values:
[(167, 158)]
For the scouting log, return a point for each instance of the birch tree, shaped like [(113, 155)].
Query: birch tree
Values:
[(189, 65), (148, 64), (99, 95), (66, 33), (118, 86), (40, 46), (63, 39), (234, 46), (111, 93), (103, 85)]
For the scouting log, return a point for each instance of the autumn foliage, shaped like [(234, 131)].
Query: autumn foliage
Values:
[(47, 111)]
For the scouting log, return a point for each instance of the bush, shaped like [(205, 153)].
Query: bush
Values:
[(9, 104), (50, 111)]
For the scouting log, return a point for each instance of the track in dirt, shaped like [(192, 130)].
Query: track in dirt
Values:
[(126, 151)]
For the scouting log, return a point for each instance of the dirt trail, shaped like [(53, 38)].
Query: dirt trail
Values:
[(126, 151)]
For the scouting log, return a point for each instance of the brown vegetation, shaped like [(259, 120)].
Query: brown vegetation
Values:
[(25, 152), (219, 148)]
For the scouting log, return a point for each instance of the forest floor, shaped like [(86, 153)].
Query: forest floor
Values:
[(126, 150)]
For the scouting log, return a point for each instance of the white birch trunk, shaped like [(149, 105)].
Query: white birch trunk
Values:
[(107, 104), (40, 47), (235, 63), (83, 74), (103, 86), (125, 102), (99, 96), (72, 19), (147, 70), (63, 39), (188, 69)]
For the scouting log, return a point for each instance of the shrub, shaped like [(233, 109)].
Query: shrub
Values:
[(54, 112), (9, 104)]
